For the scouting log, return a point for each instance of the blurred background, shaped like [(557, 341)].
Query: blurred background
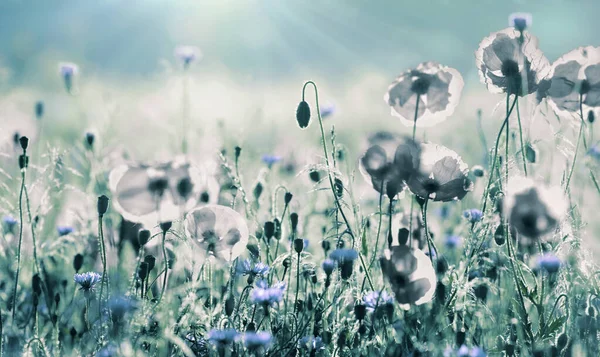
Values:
[(256, 56)]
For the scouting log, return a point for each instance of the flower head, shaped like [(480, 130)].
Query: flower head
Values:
[(548, 262), (222, 338), (473, 215), (410, 274), (442, 175), (247, 267), (271, 160), (343, 254), (327, 110), (188, 54), (257, 340), (437, 89), (9, 223), (218, 230), (533, 209), (374, 299), (328, 266), (266, 295), (148, 193), (594, 152), (64, 230), (68, 71), (87, 281), (453, 241), (389, 162), (574, 77), (509, 61)]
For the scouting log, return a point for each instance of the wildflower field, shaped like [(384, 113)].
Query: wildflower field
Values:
[(213, 215)]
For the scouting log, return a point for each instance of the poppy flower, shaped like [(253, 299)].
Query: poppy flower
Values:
[(533, 209), (509, 61), (410, 274), (574, 75), (442, 175), (389, 162), (437, 88), (148, 194), (219, 231)]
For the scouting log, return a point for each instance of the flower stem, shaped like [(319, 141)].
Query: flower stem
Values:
[(576, 145), (412, 199), (164, 250), (297, 285), (521, 138), (104, 272), (14, 303)]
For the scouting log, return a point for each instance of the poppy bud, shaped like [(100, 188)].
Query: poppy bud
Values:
[(56, 299), (303, 114), (287, 262), (185, 187), (460, 337), (36, 284), (440, 292), (326, 246), (39, 109), (251, 327), (294, 220), (143, 270), (362, 329), (269, 229), (143, 236), (591, 116), (258, 189), (341, 154), (23, 161), (102, 205), (360, 311), (346, 269), (77, 262), (24, 141), (89, 139), (338, 186), (561, 341), (478, 171), (315, 176), (298, 245), (530, 153), (151, 261), (499, 237), (403, 234), (277, 234), (165, 226), (238, 151), (229, 305)]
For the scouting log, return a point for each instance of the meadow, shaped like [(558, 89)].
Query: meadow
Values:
[(138, 226)]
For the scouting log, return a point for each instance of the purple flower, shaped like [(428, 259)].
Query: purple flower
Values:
[(473, 215), (477, 352), (267, 296), (375, 299), (520, 20), (222, 338), (188, 54), (453, 241), (256, 340), (270, 160), (64, 230), (87, 281), (328, 266), (253, 269), (594, 152), (9, 223), (463, 351), (548, 262), (327, 110), (343, 254), (311, 343)]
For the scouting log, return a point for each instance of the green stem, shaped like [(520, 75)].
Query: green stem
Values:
[(164, 250), (297, 285), (521, 138), (104, 272), (14, 303), (576, 145)]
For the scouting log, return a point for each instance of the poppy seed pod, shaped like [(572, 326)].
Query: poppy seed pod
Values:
[(530, 153), (294, 220), (298, 245), (591, 116), (24, 141), (561, 341), (303, 115), (165, 226), (269, 229), (338, 186), (326, 246), (77, 262), (143, 236), (102, 205), (499, 237), (151, 261), (143, 270), (288, 197), (36, 284), (315, 176), (277, 234)]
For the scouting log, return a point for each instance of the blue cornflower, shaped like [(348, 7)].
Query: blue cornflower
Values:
[(343, 254), (67, 69), (9, 223), (328, 266), (594, 152), (463, 351), (311, 343), (253, 269), (327, 110), (453, 241), (477, 352), (64, 230), (520, 20), (267, 296), (256, 340), (87, 281), (222, 338), (549, 262), (374, 299), (270, 160), (473, 215)]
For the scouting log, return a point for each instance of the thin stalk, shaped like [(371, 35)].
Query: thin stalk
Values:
[(104, 273), (412, 199), (297, 285), (164, 250), (14, 303), (521, 138), (576, 145)]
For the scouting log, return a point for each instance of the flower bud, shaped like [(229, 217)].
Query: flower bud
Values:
[(561, 341), (338, 186), (269, 229), (229, 305), (77, 262), (478, 171), (258, 189), (36, 284), (102, 205), (303, 114), (591, 116), (530, 153), (360, 311), (294, 220), (56, 299), (89, 140), (39, 109), (287, 198), (298, 245), (165, 226), (151, 261), (287, 262), (499, 237), (238, 152), (143, 270), (143, 237), (315, 176)]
